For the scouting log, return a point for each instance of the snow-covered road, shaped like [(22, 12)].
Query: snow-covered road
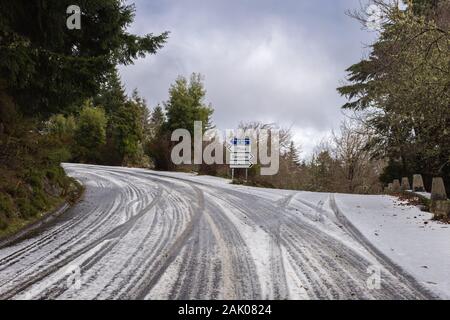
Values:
[(140, 234)]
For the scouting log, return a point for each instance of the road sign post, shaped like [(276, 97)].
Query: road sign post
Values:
[(240, 155)]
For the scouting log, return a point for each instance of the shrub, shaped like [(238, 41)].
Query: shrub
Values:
[(34, 178), (3, 224), (26, 210), (39, 200), (6, 205)]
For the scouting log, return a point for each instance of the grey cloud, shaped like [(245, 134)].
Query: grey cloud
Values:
[(274, 61)]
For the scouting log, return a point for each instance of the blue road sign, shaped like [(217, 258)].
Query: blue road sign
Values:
[(240, 142)]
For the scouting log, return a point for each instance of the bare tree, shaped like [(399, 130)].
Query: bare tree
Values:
[(350, 149)]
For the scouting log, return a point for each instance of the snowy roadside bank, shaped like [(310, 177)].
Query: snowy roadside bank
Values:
[(404, 234)]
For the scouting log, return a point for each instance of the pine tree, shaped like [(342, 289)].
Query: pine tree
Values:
[(186, 105), (90, 133), (424, 7), (158, 146), (112, 94), (157, 119), (402, 88), (127, 132), (49, 68), (293, 155)]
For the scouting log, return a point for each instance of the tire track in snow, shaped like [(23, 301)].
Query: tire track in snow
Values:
[(116, 232)]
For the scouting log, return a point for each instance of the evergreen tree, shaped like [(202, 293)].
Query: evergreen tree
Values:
[(156, 121), (158, 117), (402, 87), (158, 147), (323, 167), (128, 123), (112, 94), (90, 133), (49, 68), (424, 7), (127, 133), (293, 155), (186, 105)]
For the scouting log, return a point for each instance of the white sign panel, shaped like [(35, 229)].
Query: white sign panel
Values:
[(240, 153)]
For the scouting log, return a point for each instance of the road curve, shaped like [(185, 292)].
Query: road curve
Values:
[(139, 234)]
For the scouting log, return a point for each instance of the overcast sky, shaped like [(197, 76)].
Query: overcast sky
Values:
[(263, 60)]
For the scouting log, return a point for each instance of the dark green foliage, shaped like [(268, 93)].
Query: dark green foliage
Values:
[(34, 178), (40, 200), (115, 137), (3, 224), (6, 206), (186, 105), (50, 68), (26, 209), (127, 132), (157, 118), (393, 170), (112, 95), (424, 7), (47, 72), (56, 175), (127, 124), (158, 141), (90, 133), (292, 155), (159, 148), (402, 88)]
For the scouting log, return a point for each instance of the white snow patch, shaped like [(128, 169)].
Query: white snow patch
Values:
[(256, 239), (405, 234), (295, 285), (62, 273)]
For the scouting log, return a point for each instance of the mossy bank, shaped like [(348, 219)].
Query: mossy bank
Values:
[(28, 196)]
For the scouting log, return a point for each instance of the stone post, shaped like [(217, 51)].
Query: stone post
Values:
[(418, 185), (405, 184), (441, 209), (396, 187), (438, 190), (390, 187)]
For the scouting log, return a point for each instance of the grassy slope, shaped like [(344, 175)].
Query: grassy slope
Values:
[(27, 197)]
